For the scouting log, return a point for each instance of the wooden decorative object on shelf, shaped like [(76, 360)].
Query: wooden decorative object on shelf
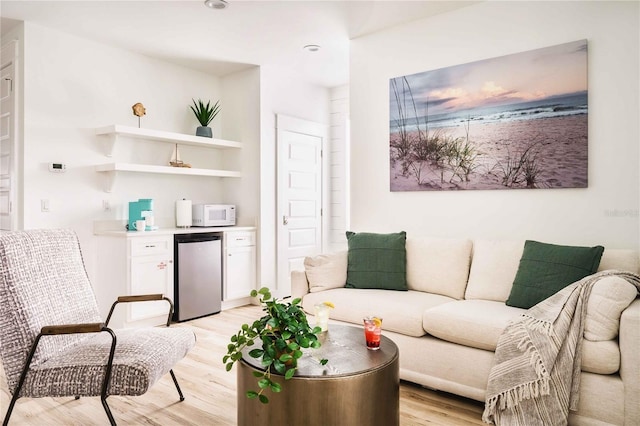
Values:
[(176, 161), (139, 110)]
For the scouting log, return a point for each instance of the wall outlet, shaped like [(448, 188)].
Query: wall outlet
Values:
[(44, 205), (106, 206)]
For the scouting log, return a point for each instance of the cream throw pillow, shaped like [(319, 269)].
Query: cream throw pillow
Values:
[(609, 297), (326, 271)]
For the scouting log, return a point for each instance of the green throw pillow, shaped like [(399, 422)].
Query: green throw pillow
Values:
[(377, 261), (546, 269)]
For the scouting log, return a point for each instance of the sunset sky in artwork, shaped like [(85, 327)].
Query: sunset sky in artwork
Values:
[(520, 77)]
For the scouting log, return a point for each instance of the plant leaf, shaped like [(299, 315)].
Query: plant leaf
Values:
[(279, 366), (264, 383), (276, 387), (289, 374), (256, 353), (252, 394), (263, 399), (285, 357)]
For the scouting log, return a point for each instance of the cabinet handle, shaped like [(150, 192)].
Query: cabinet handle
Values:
[(150, 246)]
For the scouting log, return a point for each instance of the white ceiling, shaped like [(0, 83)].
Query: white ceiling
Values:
[(246, 33)]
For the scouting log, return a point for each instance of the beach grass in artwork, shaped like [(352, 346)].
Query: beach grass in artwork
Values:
[(516, 121)]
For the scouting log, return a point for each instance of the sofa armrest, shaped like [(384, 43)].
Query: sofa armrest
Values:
[(630, 361), (299, 284)]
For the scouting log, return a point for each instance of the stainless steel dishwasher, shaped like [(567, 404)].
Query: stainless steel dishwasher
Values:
[(197, 275)]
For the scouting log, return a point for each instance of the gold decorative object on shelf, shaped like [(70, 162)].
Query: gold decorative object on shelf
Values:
[(176, 161), (139, 110)]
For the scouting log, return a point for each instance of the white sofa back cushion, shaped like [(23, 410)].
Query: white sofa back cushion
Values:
[(493, 269), (439, 266), (495, 263), (326, 271), (620, 259)]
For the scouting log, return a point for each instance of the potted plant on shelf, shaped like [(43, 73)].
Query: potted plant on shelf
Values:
[(279, 336), (205, 113)]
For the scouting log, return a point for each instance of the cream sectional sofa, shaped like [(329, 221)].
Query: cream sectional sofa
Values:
[(448, 323)]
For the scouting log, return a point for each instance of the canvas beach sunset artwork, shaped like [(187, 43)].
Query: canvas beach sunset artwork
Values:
[(515, 121)]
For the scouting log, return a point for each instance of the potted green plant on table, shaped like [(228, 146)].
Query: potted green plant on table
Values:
[(205, 113), (280, 335)]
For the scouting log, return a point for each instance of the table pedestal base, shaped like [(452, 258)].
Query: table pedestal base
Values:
[(367, 398)]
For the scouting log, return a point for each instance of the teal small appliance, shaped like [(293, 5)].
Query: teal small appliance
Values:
[(140, 210)]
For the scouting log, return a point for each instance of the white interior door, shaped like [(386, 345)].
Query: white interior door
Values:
[(300, 195), (8, 163)]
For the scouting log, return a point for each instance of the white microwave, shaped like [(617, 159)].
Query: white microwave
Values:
[(213, 215)]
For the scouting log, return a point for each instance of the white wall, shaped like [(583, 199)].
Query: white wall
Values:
[(604, 213), (281, 92), (339, 169), (241, 100), (71, 86)]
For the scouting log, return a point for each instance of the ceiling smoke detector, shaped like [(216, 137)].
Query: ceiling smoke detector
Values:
[(311, 48), (215, 4)]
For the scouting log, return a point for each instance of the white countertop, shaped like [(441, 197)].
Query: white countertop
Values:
[(172, 231)]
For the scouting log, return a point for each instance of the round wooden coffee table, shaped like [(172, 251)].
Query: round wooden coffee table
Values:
[(356, 387)]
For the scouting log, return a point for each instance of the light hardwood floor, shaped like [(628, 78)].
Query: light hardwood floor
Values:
[(210, 392)]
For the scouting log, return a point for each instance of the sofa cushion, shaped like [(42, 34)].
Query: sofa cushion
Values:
[(401, 311), (479, 324), (493, 269), (495, 262), (620, 259), (545, 269), (600, 357), (609, 297), (326, 271), (439, 266), (377, 261), (475, 323)]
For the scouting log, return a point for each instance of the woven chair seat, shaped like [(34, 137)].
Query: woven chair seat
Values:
[(142, 357)]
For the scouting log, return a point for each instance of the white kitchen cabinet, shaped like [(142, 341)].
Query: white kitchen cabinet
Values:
[(133, 266), (151, 275), (239, 264)]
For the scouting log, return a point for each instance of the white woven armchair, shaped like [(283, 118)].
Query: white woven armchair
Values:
[(53, 342)]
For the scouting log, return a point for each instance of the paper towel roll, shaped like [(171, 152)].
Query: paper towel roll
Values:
[(183, 213)]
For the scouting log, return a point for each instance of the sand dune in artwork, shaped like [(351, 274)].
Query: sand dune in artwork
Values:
[(556, 147)]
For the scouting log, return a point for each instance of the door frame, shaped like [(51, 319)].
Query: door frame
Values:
[(293, 124), (10, 56)]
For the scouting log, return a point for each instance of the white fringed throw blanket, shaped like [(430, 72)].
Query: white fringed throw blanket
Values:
[(535, 377)]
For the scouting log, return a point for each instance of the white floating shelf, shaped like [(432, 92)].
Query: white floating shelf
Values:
[(115, 130), (110, 170)]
